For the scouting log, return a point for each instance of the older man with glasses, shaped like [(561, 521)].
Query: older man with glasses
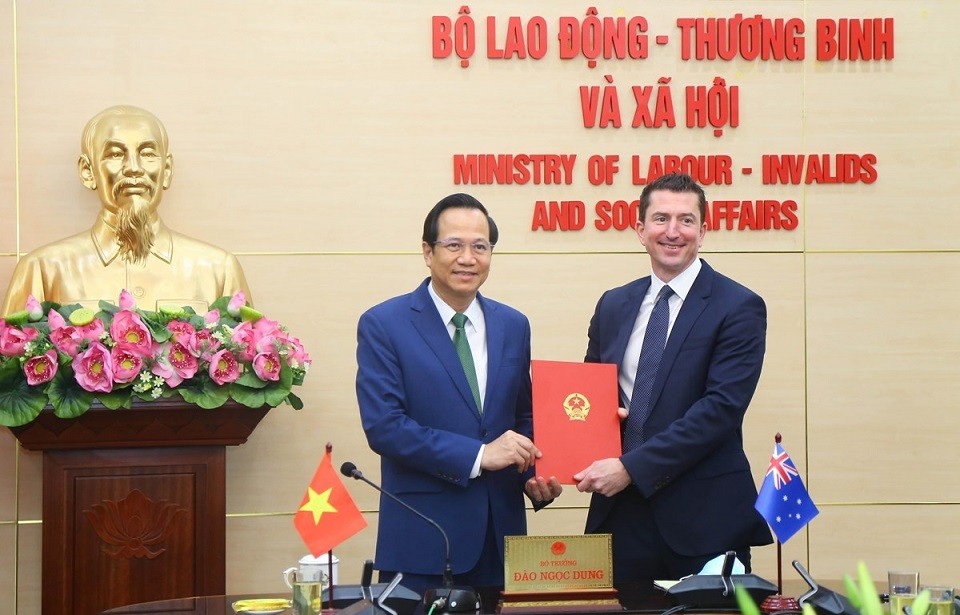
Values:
[(443, 385)]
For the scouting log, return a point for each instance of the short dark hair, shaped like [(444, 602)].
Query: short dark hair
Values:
[(431, 225), (674, 182)]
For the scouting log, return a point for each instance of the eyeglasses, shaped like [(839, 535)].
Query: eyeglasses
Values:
[(455, 246)]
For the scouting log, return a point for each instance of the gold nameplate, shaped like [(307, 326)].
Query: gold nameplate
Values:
[(549, 563)]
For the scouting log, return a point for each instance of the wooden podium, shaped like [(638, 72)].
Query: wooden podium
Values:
[(134, 502)]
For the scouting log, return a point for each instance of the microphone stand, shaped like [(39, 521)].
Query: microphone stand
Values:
[(439, 598)]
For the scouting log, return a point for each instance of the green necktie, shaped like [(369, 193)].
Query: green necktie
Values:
[(466, 357)]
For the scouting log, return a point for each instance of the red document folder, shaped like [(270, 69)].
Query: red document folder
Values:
[(574, 416)]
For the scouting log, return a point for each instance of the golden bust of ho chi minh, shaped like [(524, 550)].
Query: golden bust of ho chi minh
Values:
[(126, 161)]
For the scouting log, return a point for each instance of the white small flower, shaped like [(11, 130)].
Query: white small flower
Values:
[(155, 393)]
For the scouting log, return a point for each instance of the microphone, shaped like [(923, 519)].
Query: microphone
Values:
[(447, 598)]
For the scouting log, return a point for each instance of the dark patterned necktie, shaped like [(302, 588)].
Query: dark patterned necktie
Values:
[(650, 354), (466, 357)]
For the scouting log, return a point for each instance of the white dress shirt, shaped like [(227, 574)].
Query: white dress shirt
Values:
[(476, 330), (681, 287)]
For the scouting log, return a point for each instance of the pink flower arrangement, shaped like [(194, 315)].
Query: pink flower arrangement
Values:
[(70, 356)]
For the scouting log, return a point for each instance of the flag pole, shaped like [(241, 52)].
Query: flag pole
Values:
[(779, 570), (777, 439), (329, 448)]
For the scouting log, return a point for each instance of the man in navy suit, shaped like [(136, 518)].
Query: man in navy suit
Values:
[(454, 441), (682, 492)]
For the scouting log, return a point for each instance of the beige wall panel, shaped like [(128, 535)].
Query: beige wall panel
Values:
[(882, 363), (886, 538), (8, 567), (8, 476), (8, 168), (7, 263), (30, 485), (905, 112), (29, 539), (254, 564)]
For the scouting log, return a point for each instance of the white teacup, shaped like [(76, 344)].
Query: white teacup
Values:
[(310, 570)]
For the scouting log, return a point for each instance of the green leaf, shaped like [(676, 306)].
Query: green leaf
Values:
[(220, 304), (853, 592), (249, 379), (294, 401), (921, 603), (105, 306), (158, 330), (868, 592), (276, 395), (20, 403), (251, 398), (208, 395), (116, 399), (808, 609), (745, 602), (69, 399), (10, 372), (286, 376)]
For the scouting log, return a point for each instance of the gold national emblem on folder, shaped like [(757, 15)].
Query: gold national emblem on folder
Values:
[(576, 406)]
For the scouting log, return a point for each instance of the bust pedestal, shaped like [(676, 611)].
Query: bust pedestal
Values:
[(134, 502)]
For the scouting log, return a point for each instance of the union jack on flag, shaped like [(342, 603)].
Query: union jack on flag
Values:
[(783, 500), (781, 467)]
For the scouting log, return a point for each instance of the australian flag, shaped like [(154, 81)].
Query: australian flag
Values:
[(783, 500)]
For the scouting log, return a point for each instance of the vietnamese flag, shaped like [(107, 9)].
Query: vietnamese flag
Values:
[(327, 515)]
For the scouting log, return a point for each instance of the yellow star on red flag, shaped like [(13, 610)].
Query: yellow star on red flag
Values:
[(327, 515), (318, 503)]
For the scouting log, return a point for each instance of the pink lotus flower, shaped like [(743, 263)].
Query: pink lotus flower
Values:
[(183, 332), (183, 362), (93, 331), (236, 302), (246, 336), (93, 369), (161, 365), (224, 367), (41, 369), (204, 345), (13, 340), (266, 366), (127, 363), (66, 338), (127, 302), (296, 354), (212, 317), (127, 328), (34, 310)]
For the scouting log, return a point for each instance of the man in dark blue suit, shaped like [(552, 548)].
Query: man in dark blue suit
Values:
[(682, 492), (451, 420)]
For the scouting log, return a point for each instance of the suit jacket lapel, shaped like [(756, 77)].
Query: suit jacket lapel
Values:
[(495, 341), (426, 320), (694, 305), (627, 317)]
